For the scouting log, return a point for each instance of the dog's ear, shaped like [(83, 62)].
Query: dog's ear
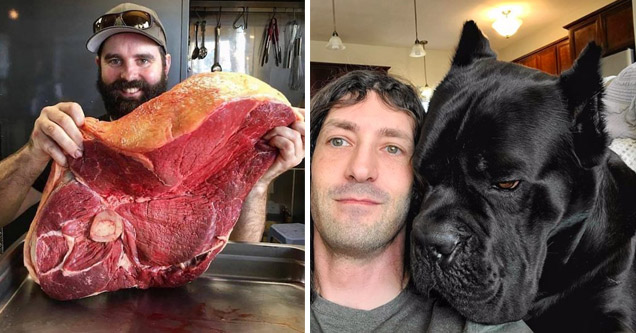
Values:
[(472, 45), (582, 90)]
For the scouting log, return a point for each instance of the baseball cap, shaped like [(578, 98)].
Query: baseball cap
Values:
[(126, 17)]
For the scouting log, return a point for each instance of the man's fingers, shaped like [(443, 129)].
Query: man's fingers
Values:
[(299, 126), (299, 147), (53, 150), (299, 110), (289, 141), (59, 136), (285, 147), (68, 125), (74, 110), (281, 131)]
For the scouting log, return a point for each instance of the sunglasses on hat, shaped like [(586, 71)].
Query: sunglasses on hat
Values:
[(132, 18)]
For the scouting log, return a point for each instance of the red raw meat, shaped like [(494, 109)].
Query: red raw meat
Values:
[(156, 193)]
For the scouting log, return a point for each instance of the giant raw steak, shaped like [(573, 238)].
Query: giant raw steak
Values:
[(156, 193)]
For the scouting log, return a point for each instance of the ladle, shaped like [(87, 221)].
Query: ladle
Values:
[(203, 51), (217, 32), (195, 52)]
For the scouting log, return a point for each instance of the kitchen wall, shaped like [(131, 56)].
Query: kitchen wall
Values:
[(240, 49), (551, 32), (438, 61), (412, 69)]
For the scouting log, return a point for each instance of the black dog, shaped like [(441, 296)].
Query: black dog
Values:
[(525, 213)]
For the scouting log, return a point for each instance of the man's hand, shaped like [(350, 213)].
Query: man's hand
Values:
[(291, 147), (56, 133), (290, 142)]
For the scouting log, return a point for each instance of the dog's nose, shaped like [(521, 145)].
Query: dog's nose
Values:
[(441, 238)]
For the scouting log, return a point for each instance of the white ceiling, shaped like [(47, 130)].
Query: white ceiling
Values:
[(392, 23)]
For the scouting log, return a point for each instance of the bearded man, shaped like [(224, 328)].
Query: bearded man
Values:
[(132, 64)]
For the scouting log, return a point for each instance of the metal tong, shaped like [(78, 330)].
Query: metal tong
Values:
[(271, 40), (292, 34), (296, 74)]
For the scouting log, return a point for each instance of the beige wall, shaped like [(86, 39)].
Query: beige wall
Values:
[(412, 69), (438, 61), (551, 32)]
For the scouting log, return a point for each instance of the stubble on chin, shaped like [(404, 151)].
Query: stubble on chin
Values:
[(357, 232)]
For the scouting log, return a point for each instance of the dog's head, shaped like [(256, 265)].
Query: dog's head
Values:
[(503, 156)]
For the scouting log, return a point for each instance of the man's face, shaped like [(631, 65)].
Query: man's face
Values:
[(361, 176), (131, 72)]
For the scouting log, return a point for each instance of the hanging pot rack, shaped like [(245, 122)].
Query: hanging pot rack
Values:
[(254, 6)]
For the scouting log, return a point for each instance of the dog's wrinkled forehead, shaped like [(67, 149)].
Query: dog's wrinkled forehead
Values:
[(490, 107), (496, 89), (487, 109)]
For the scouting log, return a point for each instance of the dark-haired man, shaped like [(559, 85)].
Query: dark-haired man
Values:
[(364, 126), (130, 45)]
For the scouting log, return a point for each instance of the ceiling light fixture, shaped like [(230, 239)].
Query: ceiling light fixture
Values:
[(507, 25), (418, 48), (335, 43), (426, 92), (13, 14)]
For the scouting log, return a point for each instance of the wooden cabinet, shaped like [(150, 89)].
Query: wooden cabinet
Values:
[(530, 61), (611, 27), (564, 57), (322, 73), (553, 58), (548, 60), (582, 34)]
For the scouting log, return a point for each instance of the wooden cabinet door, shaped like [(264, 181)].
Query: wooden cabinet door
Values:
[(548, 60), (552, 58), (618, 28), (530, 61), (612, 27), (322, 73), (564, 58), (584, 33)]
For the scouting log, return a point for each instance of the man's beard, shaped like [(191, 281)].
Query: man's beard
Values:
[(116, 105)]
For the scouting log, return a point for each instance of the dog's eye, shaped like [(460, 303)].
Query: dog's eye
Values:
[(509, 185)]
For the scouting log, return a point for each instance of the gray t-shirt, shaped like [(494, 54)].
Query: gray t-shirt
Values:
[(407, 312)]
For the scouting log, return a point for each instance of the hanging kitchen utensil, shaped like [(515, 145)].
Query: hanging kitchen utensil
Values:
[(189, 62), (203, 51), (296, 74), (265, 46), (195, 52), (243, 15), (271, 40), (291, 32), (279, 54), (216, 67)]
